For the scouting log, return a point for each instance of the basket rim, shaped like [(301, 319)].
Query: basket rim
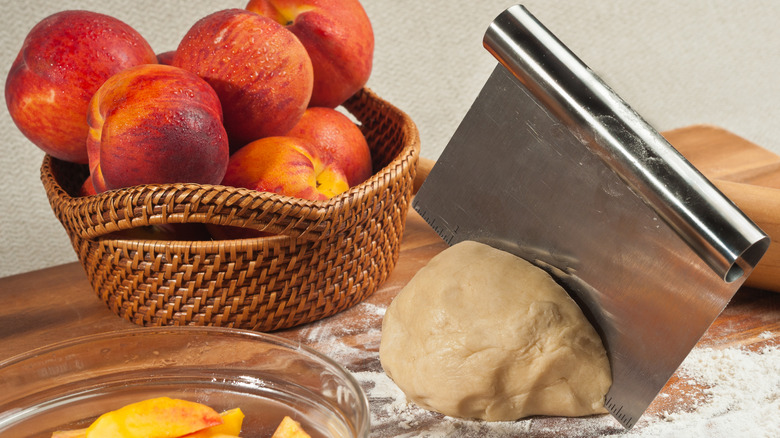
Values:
[(75, 208)]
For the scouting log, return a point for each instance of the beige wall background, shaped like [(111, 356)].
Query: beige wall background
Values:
[(676, 62)]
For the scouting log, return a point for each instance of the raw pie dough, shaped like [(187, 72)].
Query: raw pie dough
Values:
[(481, 333)]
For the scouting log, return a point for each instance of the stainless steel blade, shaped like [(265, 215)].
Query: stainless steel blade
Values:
[(551, 165)]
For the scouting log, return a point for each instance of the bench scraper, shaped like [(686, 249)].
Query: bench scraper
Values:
[(551, 165)]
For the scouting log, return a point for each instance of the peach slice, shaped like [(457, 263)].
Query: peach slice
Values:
[(290, 428), (161, 417)]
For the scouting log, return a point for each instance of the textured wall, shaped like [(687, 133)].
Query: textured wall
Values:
[(677, 63)]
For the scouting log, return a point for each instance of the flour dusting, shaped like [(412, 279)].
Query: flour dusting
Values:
[(742, 396), (726, 392)]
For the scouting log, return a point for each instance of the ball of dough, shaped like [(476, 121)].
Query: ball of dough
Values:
[(481, 333)]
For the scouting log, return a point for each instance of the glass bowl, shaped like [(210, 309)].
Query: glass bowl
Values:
[(68, 385)]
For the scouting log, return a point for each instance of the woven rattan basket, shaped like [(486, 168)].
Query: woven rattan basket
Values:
[(326, 256)]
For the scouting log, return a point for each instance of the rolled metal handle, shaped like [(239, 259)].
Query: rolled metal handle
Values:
[(715, 229)]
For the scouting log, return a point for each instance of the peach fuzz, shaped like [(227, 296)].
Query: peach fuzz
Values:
[(155, 124), (259, 69), (64, 59), (337, 141), (338, 37)]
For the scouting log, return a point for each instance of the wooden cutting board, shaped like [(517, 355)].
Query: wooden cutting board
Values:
[(746, 173)]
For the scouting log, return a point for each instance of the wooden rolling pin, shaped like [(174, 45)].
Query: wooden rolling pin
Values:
[(762, 205), (746, 173)]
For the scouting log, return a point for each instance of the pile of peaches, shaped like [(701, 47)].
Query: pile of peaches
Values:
[(248, 99)]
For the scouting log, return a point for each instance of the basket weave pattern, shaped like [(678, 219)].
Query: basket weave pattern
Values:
[(326, 256)]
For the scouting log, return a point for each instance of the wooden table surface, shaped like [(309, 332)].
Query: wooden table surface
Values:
[(56, 304)]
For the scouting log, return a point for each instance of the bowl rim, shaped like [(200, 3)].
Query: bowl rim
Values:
[(362, 429)]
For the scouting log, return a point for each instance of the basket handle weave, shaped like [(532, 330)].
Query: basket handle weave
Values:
[(157, 204)]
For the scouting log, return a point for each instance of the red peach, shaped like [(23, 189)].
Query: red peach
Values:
[(281, 165), (88, 188), (337, 140), (259, 69), (166, 57), (338, 37), (156, 123), (286, 166), (62, 62)]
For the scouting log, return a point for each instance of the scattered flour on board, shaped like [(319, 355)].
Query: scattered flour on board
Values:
[(329, 338), (741, 399), (742, 396), (738, 394)]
